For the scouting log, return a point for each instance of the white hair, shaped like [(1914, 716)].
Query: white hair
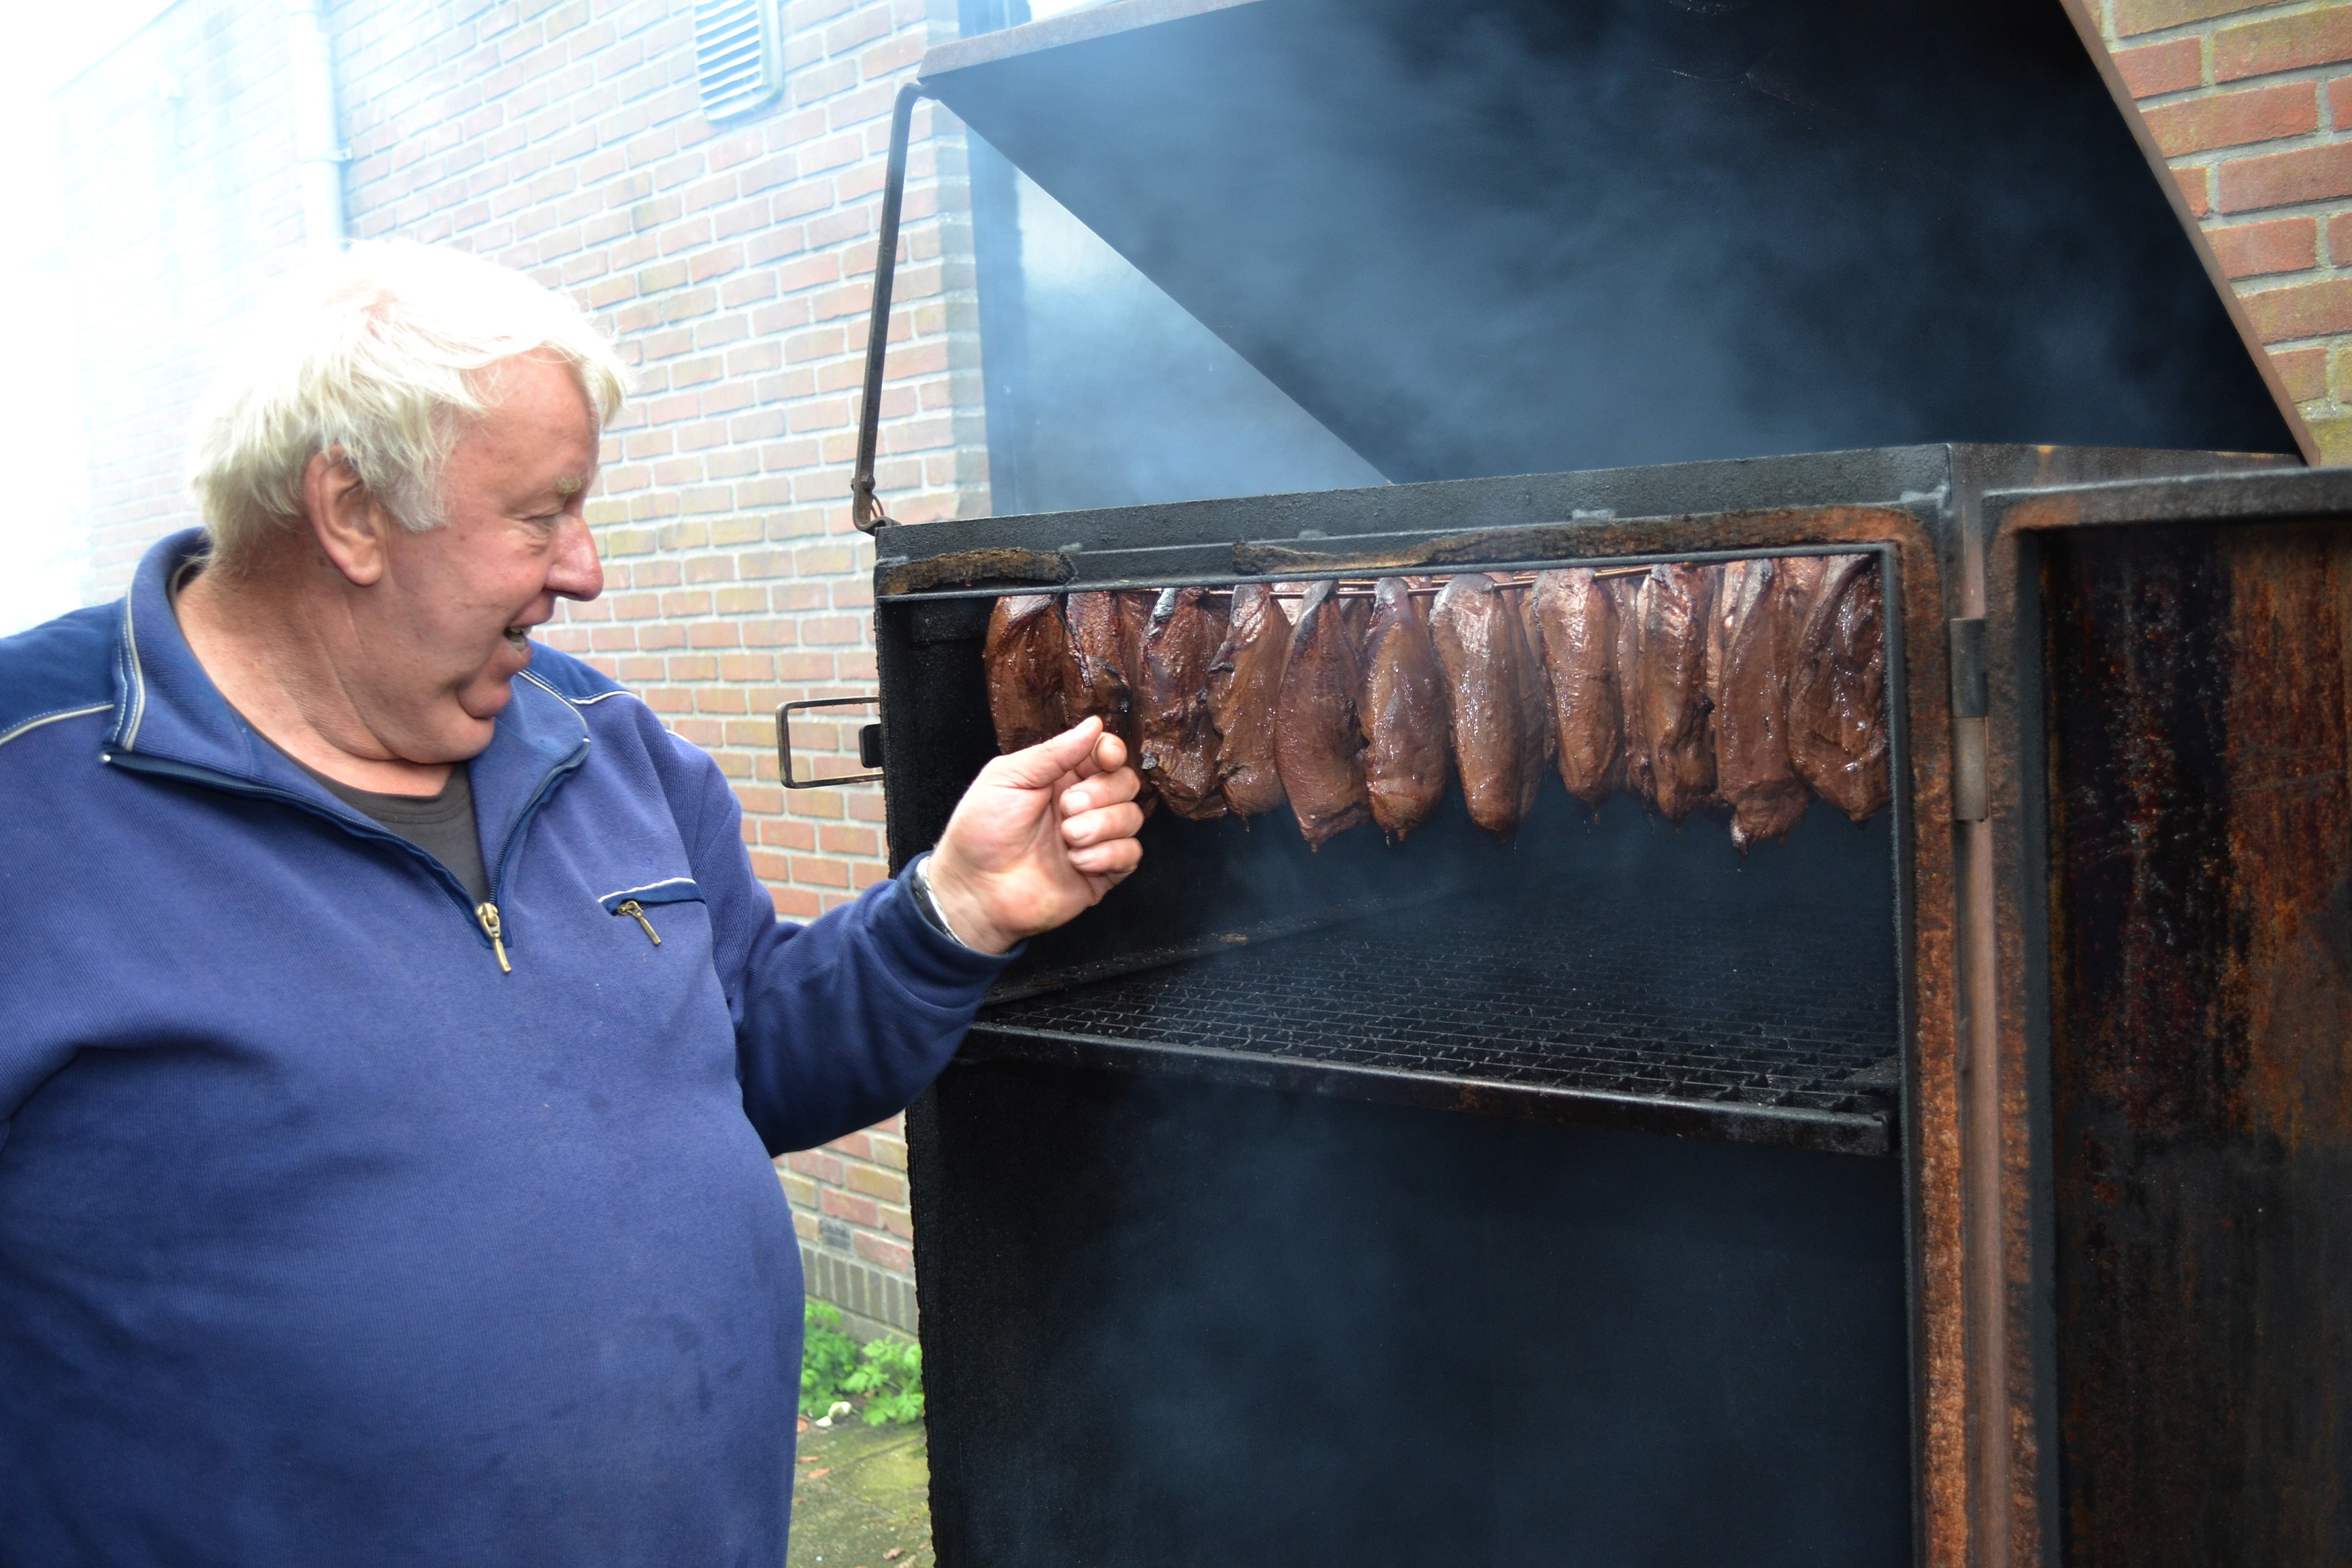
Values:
[(376, 356)]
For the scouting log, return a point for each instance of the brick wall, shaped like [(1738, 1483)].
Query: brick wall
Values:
[(2252, 104)]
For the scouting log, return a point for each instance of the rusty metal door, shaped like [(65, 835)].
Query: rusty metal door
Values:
[(2171, 675)]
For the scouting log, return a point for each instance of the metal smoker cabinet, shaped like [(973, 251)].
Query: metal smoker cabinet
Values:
[(2166, 1178), (2060, 1283)]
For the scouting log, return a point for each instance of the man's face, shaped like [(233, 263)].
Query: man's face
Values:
[(443, 629)]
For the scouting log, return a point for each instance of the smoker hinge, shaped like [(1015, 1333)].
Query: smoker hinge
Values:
[(1971, 793)]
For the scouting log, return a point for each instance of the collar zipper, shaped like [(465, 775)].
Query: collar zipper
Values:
[(487, 913)]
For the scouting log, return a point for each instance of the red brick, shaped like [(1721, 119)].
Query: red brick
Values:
[(2235, 119), (2282, 245), (2284, 43), (2301, 309), (2339, 238), (820, 871), (845, 1206), (2305, 370), (2281, 179), (873, 1182), (815, 1164), (2340, 103), (2135, 17), (874, 1249)]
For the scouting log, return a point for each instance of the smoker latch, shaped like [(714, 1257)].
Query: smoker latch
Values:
[(869, 744), (1971, 793)]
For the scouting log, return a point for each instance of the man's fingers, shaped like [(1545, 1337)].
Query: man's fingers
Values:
[(1103, 789), (1043, 765), (1115, 859), (1108, 756), (1120, 821)]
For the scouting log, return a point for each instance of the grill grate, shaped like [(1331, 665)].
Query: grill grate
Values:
[(1785, 1012)]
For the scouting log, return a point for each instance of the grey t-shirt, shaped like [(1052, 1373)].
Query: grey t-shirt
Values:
[(440, 825)]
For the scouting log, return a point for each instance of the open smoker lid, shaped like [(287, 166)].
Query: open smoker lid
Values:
[(1481, 236)]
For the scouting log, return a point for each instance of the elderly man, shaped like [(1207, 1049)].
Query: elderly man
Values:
[(394, 1038)]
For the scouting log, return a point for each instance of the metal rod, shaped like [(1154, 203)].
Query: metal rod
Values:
[(863, 510), (1362, 588)]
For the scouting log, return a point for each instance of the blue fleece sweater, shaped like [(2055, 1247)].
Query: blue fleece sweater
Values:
[(324, 1240)]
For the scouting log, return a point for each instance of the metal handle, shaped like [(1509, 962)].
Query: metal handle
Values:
[(865, 510), (868, 743)]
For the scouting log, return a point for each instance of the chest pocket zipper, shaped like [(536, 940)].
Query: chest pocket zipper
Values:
[(634, 903)]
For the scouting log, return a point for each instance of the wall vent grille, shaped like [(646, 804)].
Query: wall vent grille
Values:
[(737, 61)]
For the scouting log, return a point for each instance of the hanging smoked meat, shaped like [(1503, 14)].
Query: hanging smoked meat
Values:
[(1244, 687), (1027, 657), (1730, 579), (1522, 597), (1318, 743), (1578, 625), (1097, 686), (1408, 747), (1135, 608), (1837, 689), (1628, 596), (1753, 770), (1492, 701), (1795, 580), (1678, 600), (1180, 745)]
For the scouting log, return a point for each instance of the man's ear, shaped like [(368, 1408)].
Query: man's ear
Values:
[(344, 518)]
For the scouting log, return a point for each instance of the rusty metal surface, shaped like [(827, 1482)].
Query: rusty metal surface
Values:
[(1194, 540), (1600, 538), (978, 568), (2197, 1240), (1947, 1529), (2269, 490)]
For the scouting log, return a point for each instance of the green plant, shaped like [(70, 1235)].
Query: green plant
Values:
[(889, 1380), (886, 1376), (828, 1357)]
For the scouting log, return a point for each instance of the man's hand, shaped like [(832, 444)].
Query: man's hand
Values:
[(1040, 835)]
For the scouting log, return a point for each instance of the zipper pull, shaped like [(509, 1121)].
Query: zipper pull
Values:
[(636, 911), (487, 913)]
